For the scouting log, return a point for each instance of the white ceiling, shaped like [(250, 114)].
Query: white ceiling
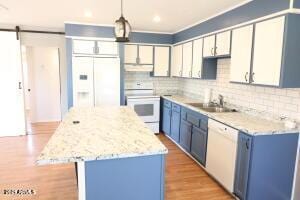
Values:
[(174, 14)]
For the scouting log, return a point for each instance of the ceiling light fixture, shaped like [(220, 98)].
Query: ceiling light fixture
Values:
[(122, 28), (156, 18), (88, 14)]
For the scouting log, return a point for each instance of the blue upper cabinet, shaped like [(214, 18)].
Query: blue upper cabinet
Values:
[(175, 122), (266, 53)]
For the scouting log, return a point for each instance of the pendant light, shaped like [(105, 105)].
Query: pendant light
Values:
[(122, 28)]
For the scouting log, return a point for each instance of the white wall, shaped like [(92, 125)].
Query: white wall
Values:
[(43, 80), (268, 101), (51, 40)]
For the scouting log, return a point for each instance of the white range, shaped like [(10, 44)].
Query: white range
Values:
[(140, 96)]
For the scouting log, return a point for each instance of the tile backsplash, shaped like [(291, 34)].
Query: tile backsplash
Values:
[(162, 85), (267, 101)]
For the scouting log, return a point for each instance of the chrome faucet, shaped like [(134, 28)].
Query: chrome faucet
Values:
[(221, 100)]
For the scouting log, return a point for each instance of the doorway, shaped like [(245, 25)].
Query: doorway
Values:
[(41, 73)]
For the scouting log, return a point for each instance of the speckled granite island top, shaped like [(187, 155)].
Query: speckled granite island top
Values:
[(247, 123), (103, 133)]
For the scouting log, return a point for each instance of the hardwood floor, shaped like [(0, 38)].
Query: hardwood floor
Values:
[(185, 180), (41, 127)]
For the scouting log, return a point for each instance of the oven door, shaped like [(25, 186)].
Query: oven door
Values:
[(147, 109)]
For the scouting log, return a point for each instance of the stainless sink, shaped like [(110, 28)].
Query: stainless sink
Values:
[(217, 109), (197, 105), (210, 107)]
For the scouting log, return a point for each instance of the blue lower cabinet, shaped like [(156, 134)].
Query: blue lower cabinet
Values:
[(166, 120), (265, 166), (175, 122), (242, 165), (185, 135), (199, 144)]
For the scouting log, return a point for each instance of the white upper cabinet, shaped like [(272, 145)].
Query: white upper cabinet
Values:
[(176, 69), (145, 55), (223, 43), (241, 54), (130, 54), (268, 46), (161, 60), (187, 59), (107, 48), (209, 46), (138, 54), (197, 58), (83, 46)]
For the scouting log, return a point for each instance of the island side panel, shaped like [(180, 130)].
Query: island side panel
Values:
[(133, 178)]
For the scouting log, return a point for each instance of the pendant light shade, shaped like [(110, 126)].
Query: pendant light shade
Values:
[(122, 28)]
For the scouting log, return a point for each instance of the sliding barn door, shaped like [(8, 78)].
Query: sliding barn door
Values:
[(12, 116)]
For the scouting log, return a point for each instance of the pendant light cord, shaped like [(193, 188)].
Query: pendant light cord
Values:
[(122, 8)]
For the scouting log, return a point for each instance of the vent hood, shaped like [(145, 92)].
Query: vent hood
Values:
[(139, 68)]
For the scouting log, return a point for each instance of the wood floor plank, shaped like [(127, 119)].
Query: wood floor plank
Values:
[(185, 180)]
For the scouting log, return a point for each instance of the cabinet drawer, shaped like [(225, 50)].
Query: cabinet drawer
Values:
[(175, 107), (204, 124), (183, 114), (167, 103), (193, 119)]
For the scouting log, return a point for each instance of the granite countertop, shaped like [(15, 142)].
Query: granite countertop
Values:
[(247, 123), (103, 133)]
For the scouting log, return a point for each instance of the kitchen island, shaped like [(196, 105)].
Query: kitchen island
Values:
[(117, 155)]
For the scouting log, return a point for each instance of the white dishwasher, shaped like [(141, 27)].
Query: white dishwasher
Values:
[(221, 153)]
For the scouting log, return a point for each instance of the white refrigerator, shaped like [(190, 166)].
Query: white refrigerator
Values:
[(96, 81)]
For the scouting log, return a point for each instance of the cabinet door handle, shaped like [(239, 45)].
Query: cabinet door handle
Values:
[(252, 77), (199, 74), (212, 51), (20, 85), (167, 72), (246, 79), (180, 73), (247, 144), (216, 53), (190, 73)]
